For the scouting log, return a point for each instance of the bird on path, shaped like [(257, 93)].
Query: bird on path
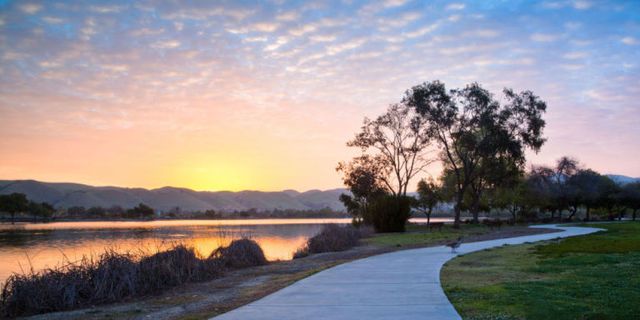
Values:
[(454, 244)]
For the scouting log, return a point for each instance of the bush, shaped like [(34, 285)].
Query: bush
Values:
[(240, 253), (390, 213), (331, 238), (116, 276)]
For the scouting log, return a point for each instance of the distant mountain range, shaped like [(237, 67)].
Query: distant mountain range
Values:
[(622, 180), (65, 195)]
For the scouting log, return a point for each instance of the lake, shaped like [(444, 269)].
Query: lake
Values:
[(26, 246)]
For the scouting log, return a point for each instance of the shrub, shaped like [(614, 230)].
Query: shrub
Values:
[(390, 213), (116, 276), (331, 238), (240, 253)]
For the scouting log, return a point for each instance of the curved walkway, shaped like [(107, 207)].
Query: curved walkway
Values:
[(399, 285)]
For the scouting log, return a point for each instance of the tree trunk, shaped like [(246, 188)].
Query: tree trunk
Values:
[(13, 218), (573, 213), (588, 212), (475, 211), (429, 218), (457, 209), (634, 214)]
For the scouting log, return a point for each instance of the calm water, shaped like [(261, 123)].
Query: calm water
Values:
[(39, 245)]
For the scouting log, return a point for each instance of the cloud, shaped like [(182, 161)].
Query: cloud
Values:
[(106, 9), (301, 30), (52, 20), (629, 41), (582, 5), (455, 6), (288, 16), (575, 55), (322, 37), (166, 44), (422, 31), (544, 37), (344, 46), (30, 8)]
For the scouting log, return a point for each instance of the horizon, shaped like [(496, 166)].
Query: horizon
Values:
[(263, 97)]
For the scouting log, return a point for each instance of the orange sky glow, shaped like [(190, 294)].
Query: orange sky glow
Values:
[(228, 96)]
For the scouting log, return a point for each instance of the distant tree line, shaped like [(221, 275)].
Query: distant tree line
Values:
[(17, 203)]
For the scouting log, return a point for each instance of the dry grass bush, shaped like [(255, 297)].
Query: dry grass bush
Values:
[(331, 238), (240, 253), (115, 276)]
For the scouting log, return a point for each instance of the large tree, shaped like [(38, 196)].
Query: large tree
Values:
[(474, 131), (397, 144), (394, 150)]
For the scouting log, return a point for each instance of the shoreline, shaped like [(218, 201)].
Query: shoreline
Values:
[(208, 299)]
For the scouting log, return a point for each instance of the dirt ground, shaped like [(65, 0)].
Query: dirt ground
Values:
[(208, 299)]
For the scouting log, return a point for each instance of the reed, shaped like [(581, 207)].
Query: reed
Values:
[(114, 276)]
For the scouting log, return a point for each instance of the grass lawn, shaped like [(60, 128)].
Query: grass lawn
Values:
[(589, 277), (418, 235)]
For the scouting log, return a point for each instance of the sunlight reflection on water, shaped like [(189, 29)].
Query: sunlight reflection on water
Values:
[(28, 245)]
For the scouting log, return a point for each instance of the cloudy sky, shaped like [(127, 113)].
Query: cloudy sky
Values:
[(263, 95)]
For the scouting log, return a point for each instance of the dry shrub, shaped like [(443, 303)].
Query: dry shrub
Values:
[(331, 238), (116, 276), (240, 253)]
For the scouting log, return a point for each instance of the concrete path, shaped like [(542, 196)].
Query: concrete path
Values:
[(399, 285)]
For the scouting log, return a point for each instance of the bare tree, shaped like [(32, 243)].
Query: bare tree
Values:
[(397, 142)]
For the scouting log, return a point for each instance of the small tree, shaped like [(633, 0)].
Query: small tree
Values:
[(43, 210), (429, 195), (630, 197), (14, 203), (361, 175), (142, 210)]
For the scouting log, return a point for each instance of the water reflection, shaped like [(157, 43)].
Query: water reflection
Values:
[(36, 246)]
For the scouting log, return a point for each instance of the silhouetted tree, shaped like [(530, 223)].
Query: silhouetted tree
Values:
[(630, 197), (142, 210), (429, 195), (474, 131), (43, 210), (399, 142), (362, 177), (14, 203)]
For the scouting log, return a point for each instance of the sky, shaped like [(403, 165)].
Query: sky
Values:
[(238, 95)]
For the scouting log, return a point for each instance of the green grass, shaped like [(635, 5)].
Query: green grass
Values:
[(590, 277), (418, 235)]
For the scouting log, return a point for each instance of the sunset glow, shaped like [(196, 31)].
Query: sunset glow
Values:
[(235, 96)]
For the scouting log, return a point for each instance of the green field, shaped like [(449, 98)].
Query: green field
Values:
[(419, 235), (589, 277)]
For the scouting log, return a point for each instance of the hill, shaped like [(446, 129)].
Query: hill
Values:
[(65, 195), (622, 180)]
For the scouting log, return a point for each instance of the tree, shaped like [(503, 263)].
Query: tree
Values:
[(14, 203), (512, 197), (429, 195), (588, 188), (362, 176), (630, 197), (43, 210), (566, 194), (474, 131), (142, 210), (394, 150), (399, 143)]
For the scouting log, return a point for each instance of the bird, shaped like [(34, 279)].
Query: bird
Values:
[(454, 244)]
